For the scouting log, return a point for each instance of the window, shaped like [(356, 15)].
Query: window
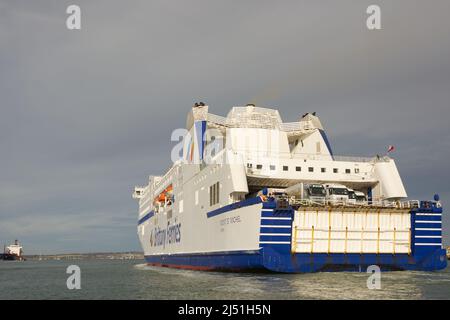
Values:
[(347, 170), (217, 192), (323, 170), (236, 197), (259, 166), (180, 206), (249, 165), (272, 167), (310, 169), (285, 168), (210, 196), (316, 190), (213, 150), (356, 170), (214, 194), (298, 168), (335, 170), (338, 191)]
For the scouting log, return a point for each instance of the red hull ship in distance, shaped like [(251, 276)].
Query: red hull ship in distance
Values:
[(12, 252)]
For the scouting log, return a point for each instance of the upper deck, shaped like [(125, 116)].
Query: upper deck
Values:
[(259, 150)]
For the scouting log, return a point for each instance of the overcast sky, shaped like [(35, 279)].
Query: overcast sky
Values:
[(87, 114)]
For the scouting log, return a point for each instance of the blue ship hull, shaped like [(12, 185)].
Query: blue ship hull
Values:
[(267, 260)]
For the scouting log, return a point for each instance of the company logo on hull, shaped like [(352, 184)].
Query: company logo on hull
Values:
[(163, 237)]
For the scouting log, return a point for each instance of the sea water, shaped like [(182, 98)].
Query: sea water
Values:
[(125, 279)]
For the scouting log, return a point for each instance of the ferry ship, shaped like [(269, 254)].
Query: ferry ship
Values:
[(250, 192)]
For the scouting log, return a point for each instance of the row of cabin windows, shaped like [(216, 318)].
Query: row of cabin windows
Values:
[(310, 169), (214, 194)]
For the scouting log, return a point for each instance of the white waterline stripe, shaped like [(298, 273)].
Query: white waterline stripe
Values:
[(428, 229), (428, 244), (274, 242), (275, 218), (274, 234), (435, 237), (429, 214), (274, 226), (423, 221)]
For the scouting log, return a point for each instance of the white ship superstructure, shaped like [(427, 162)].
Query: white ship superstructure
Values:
[(249, 191)]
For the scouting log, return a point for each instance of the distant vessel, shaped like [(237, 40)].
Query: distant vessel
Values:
[(12, 252), (251, 192)]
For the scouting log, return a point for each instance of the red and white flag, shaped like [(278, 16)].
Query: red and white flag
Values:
[(391, 148)]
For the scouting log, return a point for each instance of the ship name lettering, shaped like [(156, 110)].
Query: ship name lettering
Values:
[(169, 235), (230, 220)]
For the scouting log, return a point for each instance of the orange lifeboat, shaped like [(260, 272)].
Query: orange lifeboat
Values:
[(164, 194)]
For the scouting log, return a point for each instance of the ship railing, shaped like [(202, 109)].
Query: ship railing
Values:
[(166, 177), (361, 159), (219, 120), (410, 204), (259, 121), (295, 126), (320, 202), (252, 152)]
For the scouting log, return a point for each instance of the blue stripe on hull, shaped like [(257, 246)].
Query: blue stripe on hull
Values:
[(234, 206), (429, 218), (427, 240), (434, 225), (268, 229), (146, 217), (270, 213), (428, 232), (265, 222), (283, 238)]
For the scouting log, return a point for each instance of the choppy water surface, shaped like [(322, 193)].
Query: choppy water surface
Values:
[(113, 279)]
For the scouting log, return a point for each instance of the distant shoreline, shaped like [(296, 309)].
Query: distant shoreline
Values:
[(130, 255)]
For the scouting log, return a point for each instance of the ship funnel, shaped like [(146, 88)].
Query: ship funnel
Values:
[(199, 104), (199, 112)]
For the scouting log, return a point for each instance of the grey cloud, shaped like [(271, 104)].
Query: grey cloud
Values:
[(86, 115)]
